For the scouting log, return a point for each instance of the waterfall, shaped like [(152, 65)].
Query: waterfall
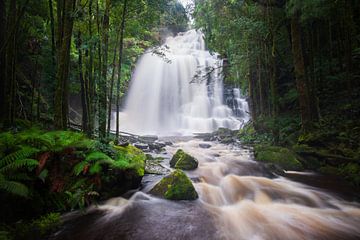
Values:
[(165, 97)]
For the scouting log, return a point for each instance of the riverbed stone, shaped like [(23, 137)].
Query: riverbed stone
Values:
[(142, 146), (175, 186), (184, 161), (204, 145)]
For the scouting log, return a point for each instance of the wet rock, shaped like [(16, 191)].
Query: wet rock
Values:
[(148, 138), (168, 143), (154, 165), (204, 145), (142, 146), (184, 161), (157, 146), (175, 186), (123, 144), (227, 140)]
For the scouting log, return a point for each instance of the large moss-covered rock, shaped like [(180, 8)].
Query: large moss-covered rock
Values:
[(175, 186), (280, 156), (126, 173), (184, 161)]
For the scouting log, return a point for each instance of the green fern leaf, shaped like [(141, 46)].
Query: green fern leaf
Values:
[(30, 164), (95, 156), (15, 188), (24, 152), (79, 167), (96, 168)]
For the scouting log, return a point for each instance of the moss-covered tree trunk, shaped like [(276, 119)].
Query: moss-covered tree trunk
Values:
[(103, 79), (65, 13), (307, 110)]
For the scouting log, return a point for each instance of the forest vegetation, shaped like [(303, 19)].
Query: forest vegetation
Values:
[(66, 65)]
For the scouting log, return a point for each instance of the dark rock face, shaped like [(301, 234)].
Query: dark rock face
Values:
[(176, 186), (184, 161)]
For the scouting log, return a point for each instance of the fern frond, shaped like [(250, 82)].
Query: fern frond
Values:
[(79, 167), (37, 139), (96, 168), (20, 163), (14, 188), (24, 152), (95, 156), (18, 177)]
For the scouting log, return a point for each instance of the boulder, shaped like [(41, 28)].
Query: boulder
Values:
[(204, 145), (184, 161), (175, 186), (279, 156), (142, 146)]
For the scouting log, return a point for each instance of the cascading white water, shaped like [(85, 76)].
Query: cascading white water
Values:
[(165, 98)]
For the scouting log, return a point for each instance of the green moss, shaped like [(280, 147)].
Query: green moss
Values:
[(131, 158), (176, 186), (351, 172), (37, 229), (282, 157), (184, 161)]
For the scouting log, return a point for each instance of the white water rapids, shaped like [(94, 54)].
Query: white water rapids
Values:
[(239, 198), (164, 97)]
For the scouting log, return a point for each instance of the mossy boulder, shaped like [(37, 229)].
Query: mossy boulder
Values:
[(175, 186), (280, 156), (126, 173), (184, 161)]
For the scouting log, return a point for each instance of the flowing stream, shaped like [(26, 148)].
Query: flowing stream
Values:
[(239, 198)]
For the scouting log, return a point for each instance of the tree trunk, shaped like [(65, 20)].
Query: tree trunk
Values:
[(65, 27), (103, 79), (2, 59), (90, 70), (121, 47), (84, 102), (10, 62), (52, 27), (307, 116), (112, 86)]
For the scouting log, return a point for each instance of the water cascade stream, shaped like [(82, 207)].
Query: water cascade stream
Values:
[(166, 97), (239, 198)]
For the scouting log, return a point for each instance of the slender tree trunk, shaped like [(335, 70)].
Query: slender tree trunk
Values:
[(10, 62), (112, 86), (2, 59), (84, 103), (307, 116), (103, 79), (62, 76), (91, 79), (121, 47), (52, 28), (33, 89)]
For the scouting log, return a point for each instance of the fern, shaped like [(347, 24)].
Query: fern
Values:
[(94, 160), (95, 156), (96, 168), (30, 164), (24, 152), (13, 187), (79, 167)]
